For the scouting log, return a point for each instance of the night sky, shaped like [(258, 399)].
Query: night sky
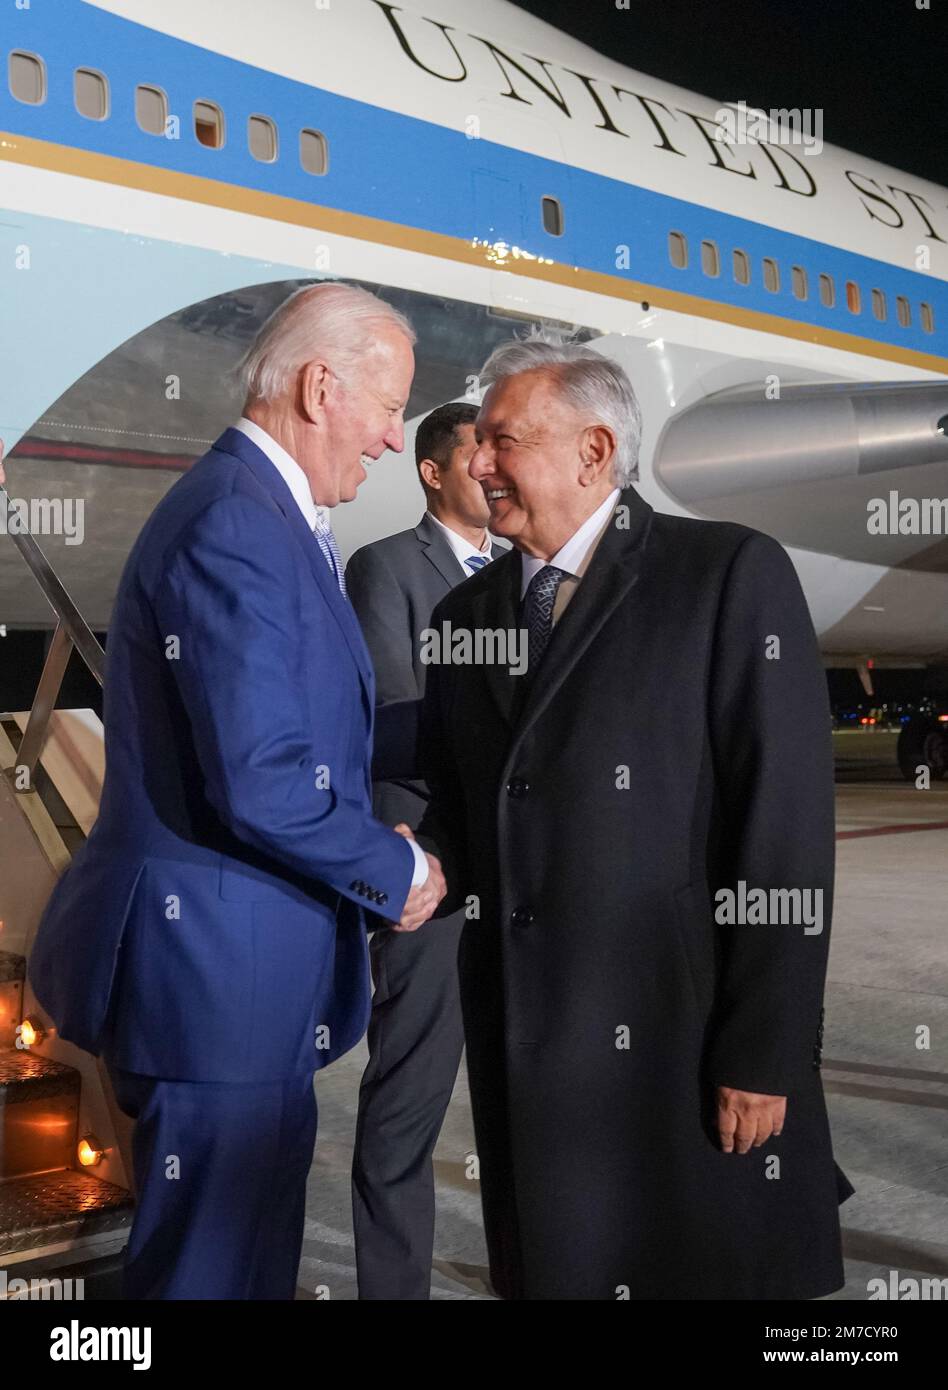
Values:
[(877, 68)]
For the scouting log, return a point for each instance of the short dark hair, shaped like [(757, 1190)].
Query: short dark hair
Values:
[(437, 436)]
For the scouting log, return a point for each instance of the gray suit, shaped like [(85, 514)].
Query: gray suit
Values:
[(415, 1032)]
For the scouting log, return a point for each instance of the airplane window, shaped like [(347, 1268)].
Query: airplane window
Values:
[(91, 94), (262, 138), (677, 250), (928, 318), (151, 109), (878, 305), (26, 77), (903, 311), (798, 282), (853, 297), (740, 262), (827, 291), (314, 152), (551, 210), (209, 124), (710, 261), (771, 275)]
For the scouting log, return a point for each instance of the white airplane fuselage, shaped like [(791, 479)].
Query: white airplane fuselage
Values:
[(486, 158)]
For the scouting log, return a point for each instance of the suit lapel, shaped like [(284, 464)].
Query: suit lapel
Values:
[(496, 605), (236, 443), (612, 572), (438, 552)]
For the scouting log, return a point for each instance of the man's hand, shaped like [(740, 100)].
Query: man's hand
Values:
[(746, 1119), (424, 897)]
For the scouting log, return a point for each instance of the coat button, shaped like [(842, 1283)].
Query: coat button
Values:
[(382, 899), (517, 787), (522, 916)]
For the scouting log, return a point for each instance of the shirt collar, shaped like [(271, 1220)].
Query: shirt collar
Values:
[(570, 556), (288, 469), (462, 548)]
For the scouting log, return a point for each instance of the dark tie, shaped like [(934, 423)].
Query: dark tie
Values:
[(476, 562), (538, 612), (327, 544)]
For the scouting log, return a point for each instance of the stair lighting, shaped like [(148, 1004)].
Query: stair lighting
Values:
[(90, 1151), (31, 1033)]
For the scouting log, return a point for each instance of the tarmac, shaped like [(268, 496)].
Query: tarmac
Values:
[(885, 1063)]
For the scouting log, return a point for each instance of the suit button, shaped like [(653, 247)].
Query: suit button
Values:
[(382, 899), (517, 787), (522, 916)]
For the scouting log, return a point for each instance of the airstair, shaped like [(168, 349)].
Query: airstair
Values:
[(65, 1165)]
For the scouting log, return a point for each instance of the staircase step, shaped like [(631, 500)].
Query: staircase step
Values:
[(39, 1114), (25, 1075), (66, 1207)]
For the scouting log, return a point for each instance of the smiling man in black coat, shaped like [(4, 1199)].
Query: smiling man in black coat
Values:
[(643, 821)]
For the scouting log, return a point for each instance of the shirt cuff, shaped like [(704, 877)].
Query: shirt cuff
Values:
[(421, 864)]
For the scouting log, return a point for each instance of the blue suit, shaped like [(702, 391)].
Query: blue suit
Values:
[(211, 928)]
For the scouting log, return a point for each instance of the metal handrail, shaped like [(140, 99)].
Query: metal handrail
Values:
[(72, 632)]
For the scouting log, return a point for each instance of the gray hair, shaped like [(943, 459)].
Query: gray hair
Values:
[(593, 385), (331, 320)]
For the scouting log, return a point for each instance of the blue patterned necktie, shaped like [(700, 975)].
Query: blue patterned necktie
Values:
[(538, 612), (327, 544), (476, 562)]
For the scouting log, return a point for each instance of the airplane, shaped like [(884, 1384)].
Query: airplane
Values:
[(170, 171)]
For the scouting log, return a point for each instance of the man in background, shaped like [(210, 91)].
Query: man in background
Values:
[(415, 1032)]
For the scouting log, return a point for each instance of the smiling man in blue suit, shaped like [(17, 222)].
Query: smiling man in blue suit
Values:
[(209, 937)]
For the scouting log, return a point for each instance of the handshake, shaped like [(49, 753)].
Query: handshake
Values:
[(424, 897)]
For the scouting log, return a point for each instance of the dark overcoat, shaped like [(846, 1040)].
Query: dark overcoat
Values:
[(675, 742)]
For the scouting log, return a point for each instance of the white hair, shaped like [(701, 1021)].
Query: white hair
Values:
[(592, 384), (332, 321)]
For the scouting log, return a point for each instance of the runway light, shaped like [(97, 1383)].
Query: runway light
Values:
[(90, 1151), (31, 1032)]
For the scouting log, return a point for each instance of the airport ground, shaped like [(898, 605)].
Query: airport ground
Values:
[(887, 992)]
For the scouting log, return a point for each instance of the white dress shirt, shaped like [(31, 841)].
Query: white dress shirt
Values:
[(287, 467), (571, 557), (462, 548), (296, 480)]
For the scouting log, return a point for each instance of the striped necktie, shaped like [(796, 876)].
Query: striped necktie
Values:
[(538, 612), (327, 544), (476, 562)]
